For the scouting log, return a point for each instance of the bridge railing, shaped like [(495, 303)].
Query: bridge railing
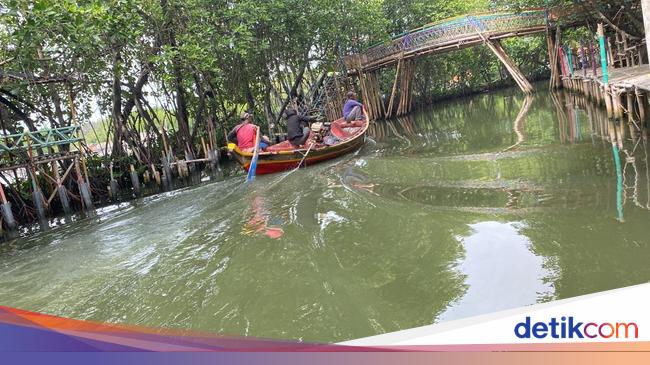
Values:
[(456, 29), (42, 138)]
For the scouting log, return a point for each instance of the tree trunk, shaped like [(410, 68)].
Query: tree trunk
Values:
[(181, 103), (198, 121), (116, 112)]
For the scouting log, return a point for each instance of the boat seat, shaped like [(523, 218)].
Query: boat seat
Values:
[(282, 146), (287, 146), (339, 132), (344, 130)]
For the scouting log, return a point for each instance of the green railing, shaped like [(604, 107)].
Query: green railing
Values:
[(42, 138)]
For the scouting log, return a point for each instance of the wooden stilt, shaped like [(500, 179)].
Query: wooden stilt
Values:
[(640, 101), (389, 111), (114, 191), (496, 47), (135, 181), (608, 101), (552, 58), (61, 190), (404, 105), (84, 190), (7, 215), (167, 174)]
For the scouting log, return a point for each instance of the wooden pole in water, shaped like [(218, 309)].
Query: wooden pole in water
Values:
[(61, 190), (496, 47), (409, 102), (630, 113), (86, 198), (389, 111), (552, 59), (608, 101), (7, 214), (115, 187), (640, 100), (376, 93), (135, 180)]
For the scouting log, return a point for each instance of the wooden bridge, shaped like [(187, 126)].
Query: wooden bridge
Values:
[(445, 36)]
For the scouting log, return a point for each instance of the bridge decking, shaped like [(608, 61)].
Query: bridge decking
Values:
[(634, 77), (629, 77)]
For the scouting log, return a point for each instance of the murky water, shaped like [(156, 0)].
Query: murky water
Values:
[(473, 206)]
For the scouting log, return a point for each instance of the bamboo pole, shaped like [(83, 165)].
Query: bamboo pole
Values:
[(640, 100), (389, 111)]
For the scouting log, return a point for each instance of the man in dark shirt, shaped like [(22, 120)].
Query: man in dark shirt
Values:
[(352, 110), (297, 127)]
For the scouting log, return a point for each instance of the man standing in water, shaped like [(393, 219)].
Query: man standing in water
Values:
[(352, 110), (244, 134)]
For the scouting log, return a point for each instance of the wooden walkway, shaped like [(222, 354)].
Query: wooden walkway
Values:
[(625, 77), (625, 97), (629, 77)]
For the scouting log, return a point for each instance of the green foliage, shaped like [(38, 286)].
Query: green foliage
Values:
[(223, 56)]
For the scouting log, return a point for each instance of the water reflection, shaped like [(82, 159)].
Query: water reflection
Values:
[(262, 220), (500, 271), (518, 125), (624, 151)]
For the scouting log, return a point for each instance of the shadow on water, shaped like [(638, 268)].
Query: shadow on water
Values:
[(475, 205)]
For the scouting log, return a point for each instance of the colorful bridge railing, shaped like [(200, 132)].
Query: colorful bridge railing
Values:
[(465, 29)]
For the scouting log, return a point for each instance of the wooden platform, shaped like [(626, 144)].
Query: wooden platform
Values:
[(625, 78)]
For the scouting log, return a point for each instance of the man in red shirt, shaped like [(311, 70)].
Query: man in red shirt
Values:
[(244, 134)]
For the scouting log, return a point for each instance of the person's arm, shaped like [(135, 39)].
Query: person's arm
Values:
[(305, 120), (356, 103), (232, 136)]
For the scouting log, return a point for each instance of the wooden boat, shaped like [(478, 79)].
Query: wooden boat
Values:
[(284, 156)]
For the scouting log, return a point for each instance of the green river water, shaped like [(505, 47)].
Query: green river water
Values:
[(471, 206)]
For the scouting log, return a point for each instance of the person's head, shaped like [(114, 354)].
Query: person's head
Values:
[(245, 117), (352, 95)]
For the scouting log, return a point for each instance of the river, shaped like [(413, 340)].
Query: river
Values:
[(474, 205)]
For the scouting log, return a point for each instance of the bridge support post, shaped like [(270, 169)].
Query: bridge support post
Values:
[(389, 111), (496, 47), (403, 77), (61, 190), (39, 200), (8, 215), (135, 181), (406, 90), (373, 94), (84, 190), (553, 53), (370, 92)]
